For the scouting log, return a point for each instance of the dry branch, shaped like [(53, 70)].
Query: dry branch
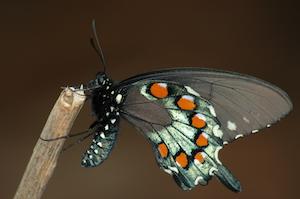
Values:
[(45, 153)]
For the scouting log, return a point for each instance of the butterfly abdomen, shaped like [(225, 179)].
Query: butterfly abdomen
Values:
[(99, 149)]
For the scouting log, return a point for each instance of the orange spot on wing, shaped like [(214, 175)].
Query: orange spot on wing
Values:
[(202, 140), (159, 90), (182, 160), (199, 157), (198, 121), (186, 102), (163, 150)]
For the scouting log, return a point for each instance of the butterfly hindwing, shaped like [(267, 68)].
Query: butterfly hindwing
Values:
[(183, 130)]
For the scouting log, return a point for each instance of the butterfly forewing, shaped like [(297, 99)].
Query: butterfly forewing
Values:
[(243, 104)]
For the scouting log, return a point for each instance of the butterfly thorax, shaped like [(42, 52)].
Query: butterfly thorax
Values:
[(101, 98), (105, 100)]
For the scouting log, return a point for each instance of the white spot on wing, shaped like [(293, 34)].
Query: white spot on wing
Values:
[(197, 162), (238, 136), (164, 85), (200, 116), (204, 135), (188, 97), (246, 119), (254, 131), (191, 91), (198, 179), (217, 131), (106, 127), (113, 121), (168, 171), (212, 110), (225, 142), (174, 169), (269, 125), (231, 126), (217, 154), (211, 171)]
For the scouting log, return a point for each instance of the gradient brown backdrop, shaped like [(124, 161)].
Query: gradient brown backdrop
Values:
[(46, 45)]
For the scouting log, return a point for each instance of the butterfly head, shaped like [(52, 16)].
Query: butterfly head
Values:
[(101, 77), (101, 81)]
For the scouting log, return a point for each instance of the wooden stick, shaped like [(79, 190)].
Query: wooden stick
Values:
[(45, 153)]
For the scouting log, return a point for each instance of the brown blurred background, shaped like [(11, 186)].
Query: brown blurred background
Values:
[(46, 45)]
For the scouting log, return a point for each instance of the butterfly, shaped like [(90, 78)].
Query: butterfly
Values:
[(188, 114)]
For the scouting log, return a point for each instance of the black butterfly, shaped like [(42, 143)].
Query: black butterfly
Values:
[(188, 115)]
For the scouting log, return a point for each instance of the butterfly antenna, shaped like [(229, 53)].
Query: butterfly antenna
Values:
[(96, 45)]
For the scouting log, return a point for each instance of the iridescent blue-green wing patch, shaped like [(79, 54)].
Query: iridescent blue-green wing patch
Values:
[(183, 130)]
